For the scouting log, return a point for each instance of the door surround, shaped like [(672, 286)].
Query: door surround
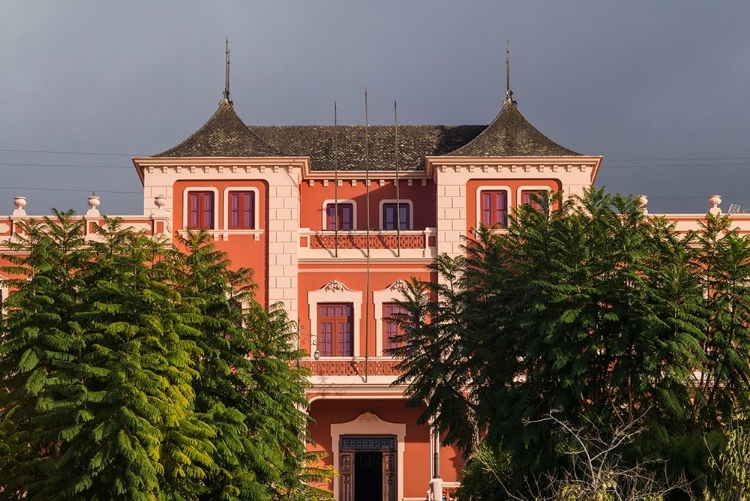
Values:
[(370, 424)]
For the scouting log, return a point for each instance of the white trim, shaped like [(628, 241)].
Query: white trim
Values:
[(331, 201), (369, 391), (370, 424), (186, 211), (339, 294), (388, 295), (393, 201), (520, 190), (478, 211), (256, 203)]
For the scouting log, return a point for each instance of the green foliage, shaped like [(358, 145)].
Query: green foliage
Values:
[(590, 309), (131, 370), (485, 474), (249, 385), (733, 467)]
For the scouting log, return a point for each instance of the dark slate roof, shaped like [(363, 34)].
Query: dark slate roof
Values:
[(511, 135), (224, 135), (415, 143)]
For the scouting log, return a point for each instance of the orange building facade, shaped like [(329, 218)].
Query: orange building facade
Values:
[(332, 219)]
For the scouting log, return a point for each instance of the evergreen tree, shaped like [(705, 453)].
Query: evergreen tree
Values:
[(40, 344), (132, 370), (100, 395), (250, 389), (585, 308)]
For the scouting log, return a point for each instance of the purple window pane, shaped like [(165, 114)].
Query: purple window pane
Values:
[(346, 216), (345, 339), (249, 210), (325, 341)]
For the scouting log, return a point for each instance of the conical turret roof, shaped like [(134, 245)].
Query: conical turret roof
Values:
[(511, 135), (223, 135)]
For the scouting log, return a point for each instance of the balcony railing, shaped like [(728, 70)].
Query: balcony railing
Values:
[(412, 240), (351, 367), (413, 243)]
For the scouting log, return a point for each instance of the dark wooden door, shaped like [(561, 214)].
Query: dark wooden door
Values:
[(348, 470), (346, 476), (389, 476)]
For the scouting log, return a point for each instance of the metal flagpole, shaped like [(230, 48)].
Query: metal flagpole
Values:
[(335, 180), (367, 237), (398, 187)]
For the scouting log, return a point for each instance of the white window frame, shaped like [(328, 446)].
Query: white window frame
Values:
[(185, 209), (331, 201), (478, 201), (256, 211), (394, 201), (529, 188), (335, 292)]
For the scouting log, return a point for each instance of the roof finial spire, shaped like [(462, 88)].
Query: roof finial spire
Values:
[(508, 91), (226, 81)]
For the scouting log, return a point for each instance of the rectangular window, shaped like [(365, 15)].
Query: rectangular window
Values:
[(389, 216), (242, 210), (335, 330), (494, 208), (345, 216), (390, 328), (201, 210), (533, 198)]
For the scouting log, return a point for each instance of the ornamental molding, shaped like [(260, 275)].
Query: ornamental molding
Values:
[(397, 286), (367, 417), (335, 286)]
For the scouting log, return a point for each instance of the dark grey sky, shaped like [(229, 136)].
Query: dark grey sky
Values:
[(661, 89)]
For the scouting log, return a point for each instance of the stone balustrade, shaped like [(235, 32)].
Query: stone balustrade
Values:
[(157, 223)]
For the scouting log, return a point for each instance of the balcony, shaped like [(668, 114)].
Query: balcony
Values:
[(383, 244), (350, 367)]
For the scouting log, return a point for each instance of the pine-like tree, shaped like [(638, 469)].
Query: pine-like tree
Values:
[(100, 379), (132, 370), (585, 307), (250, 389), (40, 344)]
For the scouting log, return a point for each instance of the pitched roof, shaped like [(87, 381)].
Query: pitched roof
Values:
[(511, 135), (223, 135), (414, 143)]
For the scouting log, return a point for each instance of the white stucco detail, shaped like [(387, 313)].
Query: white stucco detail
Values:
[(186, 212), (452, 175), (282, 176), (335, 292), (332, 201), (410, 222), (370, 424)]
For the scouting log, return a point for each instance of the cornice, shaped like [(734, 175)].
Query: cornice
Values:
[(374, 175), (513, 164), (219, 164)]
